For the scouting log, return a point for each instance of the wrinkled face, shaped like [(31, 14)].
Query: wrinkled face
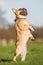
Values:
[(21, 13)]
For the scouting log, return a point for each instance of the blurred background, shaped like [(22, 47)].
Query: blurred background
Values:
[(34, 18)]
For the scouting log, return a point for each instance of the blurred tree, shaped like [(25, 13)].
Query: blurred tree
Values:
[(3, 21)]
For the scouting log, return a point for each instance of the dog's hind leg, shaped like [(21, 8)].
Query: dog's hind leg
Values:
[(16, 54), (23, 54)]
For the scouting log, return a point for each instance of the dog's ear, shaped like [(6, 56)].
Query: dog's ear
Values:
[(14, 10)]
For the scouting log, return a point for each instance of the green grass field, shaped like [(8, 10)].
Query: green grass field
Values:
[(34, 54)]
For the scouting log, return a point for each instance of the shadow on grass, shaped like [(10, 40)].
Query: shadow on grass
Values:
[(6, 60)]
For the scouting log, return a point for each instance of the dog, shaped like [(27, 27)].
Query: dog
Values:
[(23, 32)]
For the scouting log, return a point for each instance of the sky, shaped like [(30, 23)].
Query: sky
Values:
[(34, 8)]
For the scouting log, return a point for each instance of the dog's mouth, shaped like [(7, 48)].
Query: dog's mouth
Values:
[(23, 12)]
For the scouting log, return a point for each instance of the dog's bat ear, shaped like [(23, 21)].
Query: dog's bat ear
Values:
[(14, 10)]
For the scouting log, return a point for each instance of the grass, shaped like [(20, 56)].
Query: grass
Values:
[(34, 54)]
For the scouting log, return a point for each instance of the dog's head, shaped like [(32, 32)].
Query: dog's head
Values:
[(20, 13)]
